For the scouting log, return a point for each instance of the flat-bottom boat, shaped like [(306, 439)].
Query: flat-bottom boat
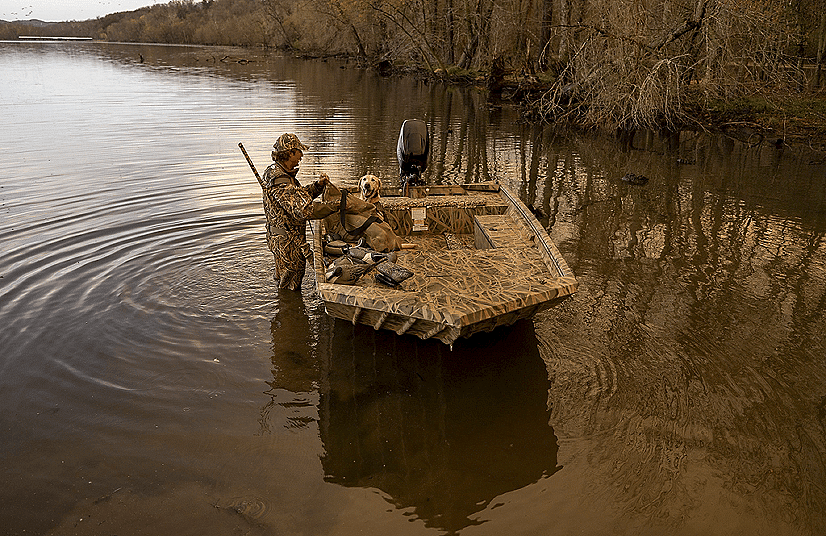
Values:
[(481, 260)]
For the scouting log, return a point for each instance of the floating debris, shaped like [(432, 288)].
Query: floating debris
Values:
[(633, 178)]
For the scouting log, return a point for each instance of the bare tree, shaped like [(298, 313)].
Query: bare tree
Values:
[(279, 12), (411, 22), (345, 13)]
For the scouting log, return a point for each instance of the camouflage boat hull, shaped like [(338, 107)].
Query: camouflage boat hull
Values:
[(481, 261)]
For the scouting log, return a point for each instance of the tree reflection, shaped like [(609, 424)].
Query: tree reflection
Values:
[(691, 372)]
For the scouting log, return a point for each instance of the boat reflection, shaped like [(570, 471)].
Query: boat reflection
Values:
[(438, 431)]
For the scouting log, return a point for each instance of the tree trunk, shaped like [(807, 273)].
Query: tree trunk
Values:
[(565, 22), (444, 28), (451, 34), (485, 14), (473, 38), (821, 45), (362, 52), (470, 49), (522, 28), (545, 33), (692, 24)]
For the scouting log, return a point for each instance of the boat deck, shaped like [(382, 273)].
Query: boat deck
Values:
[(464, 278), (480, 260)]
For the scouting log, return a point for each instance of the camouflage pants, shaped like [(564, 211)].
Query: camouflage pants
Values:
[(290, 260)]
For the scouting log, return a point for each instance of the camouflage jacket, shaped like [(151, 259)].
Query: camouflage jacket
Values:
[(287, 204)]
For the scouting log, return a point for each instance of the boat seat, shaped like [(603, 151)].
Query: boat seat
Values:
[(496, 231)]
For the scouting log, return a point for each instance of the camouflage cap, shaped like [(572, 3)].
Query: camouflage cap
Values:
[(287, 142)]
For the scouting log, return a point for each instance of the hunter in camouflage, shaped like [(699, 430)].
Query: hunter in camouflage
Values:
[(288, 205)]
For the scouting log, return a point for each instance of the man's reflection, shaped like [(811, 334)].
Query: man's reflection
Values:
[(296, 362)]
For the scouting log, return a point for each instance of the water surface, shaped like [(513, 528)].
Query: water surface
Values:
[(153, 379)]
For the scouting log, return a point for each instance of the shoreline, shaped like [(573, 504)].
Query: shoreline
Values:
[(796, 120), (793, 120)]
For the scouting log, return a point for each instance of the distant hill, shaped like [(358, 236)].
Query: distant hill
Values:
[(30, 22)]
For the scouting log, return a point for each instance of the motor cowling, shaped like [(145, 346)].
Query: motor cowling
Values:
[(412, 151)]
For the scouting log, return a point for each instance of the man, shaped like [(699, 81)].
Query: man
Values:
[(288, 205)]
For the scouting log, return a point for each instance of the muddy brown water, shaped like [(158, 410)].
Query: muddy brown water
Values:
[(153, 380)]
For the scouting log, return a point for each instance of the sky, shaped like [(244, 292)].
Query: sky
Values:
[(67, 10)]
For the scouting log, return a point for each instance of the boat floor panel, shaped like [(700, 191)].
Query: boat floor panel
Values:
[(455, 283)]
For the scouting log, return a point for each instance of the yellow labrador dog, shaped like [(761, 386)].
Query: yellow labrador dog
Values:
[(357, 214), (370, 189)]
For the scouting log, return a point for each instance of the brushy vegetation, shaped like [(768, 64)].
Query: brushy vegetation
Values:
[(597, 63), (796, 119)]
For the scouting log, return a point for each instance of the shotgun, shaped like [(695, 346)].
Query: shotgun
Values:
[(252, 166)]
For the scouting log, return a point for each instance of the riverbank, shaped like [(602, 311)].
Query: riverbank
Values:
[(784, 120), (797, 120), (793, 120)]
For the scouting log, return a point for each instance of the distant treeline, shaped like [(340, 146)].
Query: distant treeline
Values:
[(627, 63)]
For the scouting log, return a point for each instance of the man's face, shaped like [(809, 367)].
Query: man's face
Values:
[(292, 162)]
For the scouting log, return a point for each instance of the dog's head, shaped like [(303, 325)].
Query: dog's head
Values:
[(370, 187)]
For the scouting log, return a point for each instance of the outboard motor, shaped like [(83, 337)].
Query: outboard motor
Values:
[(412, 151)]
